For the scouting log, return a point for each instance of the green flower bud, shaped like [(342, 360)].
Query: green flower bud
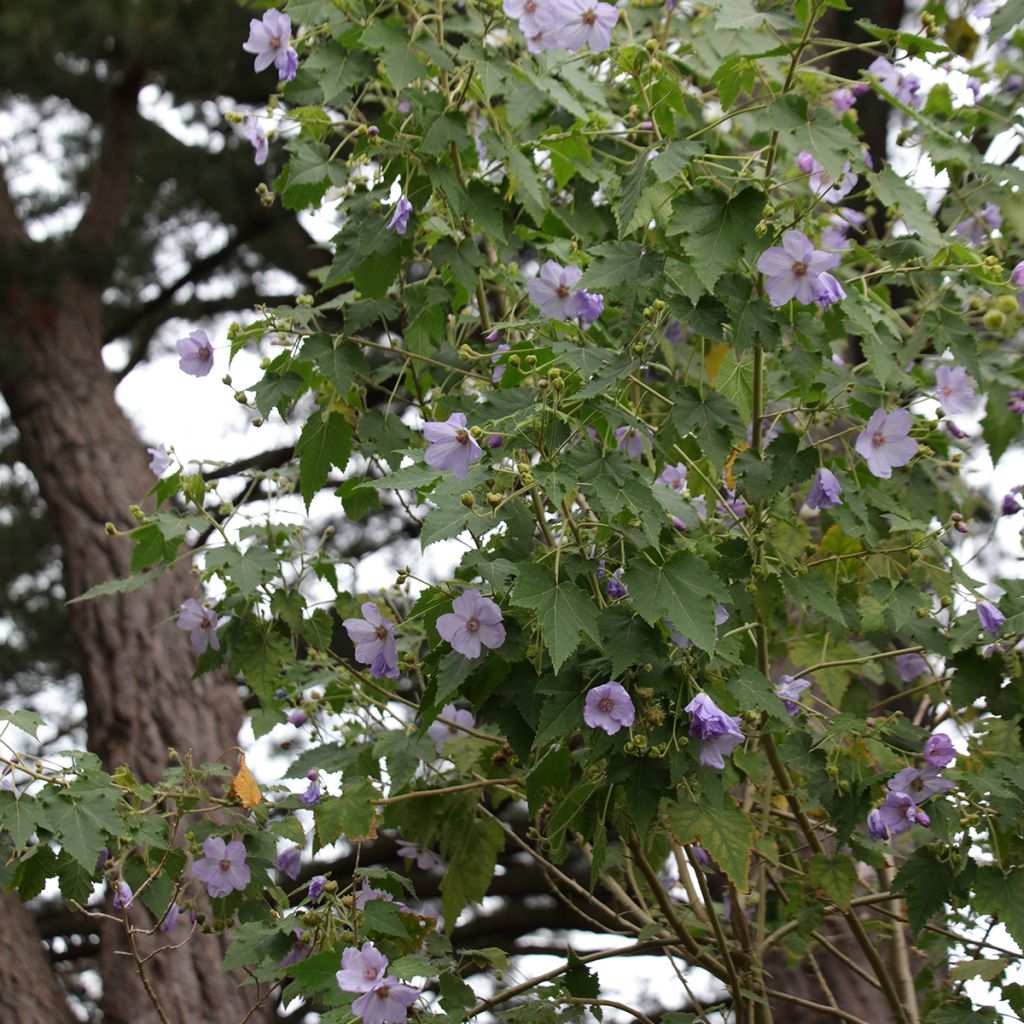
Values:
[(994, 319), (1008, 304)]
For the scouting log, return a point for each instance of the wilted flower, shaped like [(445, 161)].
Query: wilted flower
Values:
[(718, 732), (258, 137), (1017, 274), (825, 490), (939, 750), (297, 717), (615, 588), (374, 637), (289, 862), (633, 441), (903, 87), (312, 793), (589, 306), (885, 442), (910, 666), (452, 721), (122, 895), (425, 860), (976, 227), (898, 814), (223, 868), (195, 354), (399, 222), (608, 707), (316, 888), (991, 618), (170, 918), (473, 620), (824, 185), (789, 690), (843, 100), (159, 461)]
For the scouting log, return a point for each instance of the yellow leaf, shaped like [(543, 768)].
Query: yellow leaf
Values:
[(713, 360), (243, 785)]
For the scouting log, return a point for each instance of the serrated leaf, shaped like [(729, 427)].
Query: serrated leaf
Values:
[(341, 361), (723, 830), (629, 195), (119, 586), (834, 876), (83, 819), (25, 720), (893, 190), (619, 265), (324, 442), (352, 815), (471, 861), (927, 883), (712, 417), (564, 611), (246, 569), (75, 881), (683, 590), (1002, 896)]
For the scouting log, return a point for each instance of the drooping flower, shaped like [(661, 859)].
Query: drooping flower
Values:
[(903, 86), (297, 717), (201, 623), (825, 490), (589, 306), (160, 460), (789, 690), (425, 860), (580, 23), (615, 588), (312, 793), (388, 1003), (222, 868), (195, 354), (919, 783), (822, 184), (258, 137), (452, 721), (910, 666), (898, 814), (608, 707), (939, 750), (718, 732), (289, 861), (451, 445), (797, 270), (953, 390), (990, 617), (299, 951), (362, 970), (1009, 506), (1017, 274), (633, 441), (552, 291), (674, 477), (269, 40), (374, 637), (975, 228), (885, 442), (316, 888), (828, 291), (122, 895), (843, 100), (682, 641), (399, 222), (499, 370), (473, 620), (170, 918)]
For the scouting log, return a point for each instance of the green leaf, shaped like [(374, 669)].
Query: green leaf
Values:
[(259, 653), (26, 721), (927, 883), (83, 818), (277, 390), (619, 265), (712, 417), (629, 195), (580, 980), (255, 942), (723, 830), (75, 881), (352, 815), (401, 64), (822, 134), (835, 877), (119, 586), (683, 590), (20, 816), (717, 228), (753, 690), (471, 860), (246, 569), (893, 190), (341, 361), (1002, 896), (627, 639), (563, 609), (1008, 18), (33, 871), (324, 442)]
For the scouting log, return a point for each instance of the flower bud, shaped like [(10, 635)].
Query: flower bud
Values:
[(994, 319), (467, 499), (1008, 304)]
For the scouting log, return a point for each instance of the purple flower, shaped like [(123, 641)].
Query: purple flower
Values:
[(551, 291), (975, 86), (399, 222), (589, 305), (910, 666), (1010, 506), (919, 783), (426, 860), (789, 689), (579, 23), (718, 732), (1017, 274), (268, 40), (299, 951), (632, 441), (939, 750), (201, 622), (615, 588), (885, 442), (682, 641), (499, 371), (367, 893), (898, 814), (956, 432), (374, 637), (473, 620), (975, 228), (160, 460), (451, 445), (953, 389), (795, 270), (388, 1003), (297, 717), (258, 137), (990, 617), (452, 721), (827, 291), (316, 888), (674, 477), (170, 918), (195, 354), (289, 861), (843, 100), (823, 185), (122, 894), (608, 707), (903, 87), (825, 491), (362, 970), (223, 868), (312, 793)]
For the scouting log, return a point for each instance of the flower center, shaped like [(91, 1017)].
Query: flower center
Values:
[(589, 18), (274, 42), (462, 436), (203, 353), (383, 992), (947, 390), (472, 625), (225, 864), (605, 704), (878, 439), (562, 292), (917, 785), (369, 973), (381, 632), (799, 269)]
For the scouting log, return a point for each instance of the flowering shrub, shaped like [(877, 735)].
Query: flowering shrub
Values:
[(594, 310)]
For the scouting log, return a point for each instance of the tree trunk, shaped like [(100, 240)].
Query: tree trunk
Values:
[(135, 665)]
